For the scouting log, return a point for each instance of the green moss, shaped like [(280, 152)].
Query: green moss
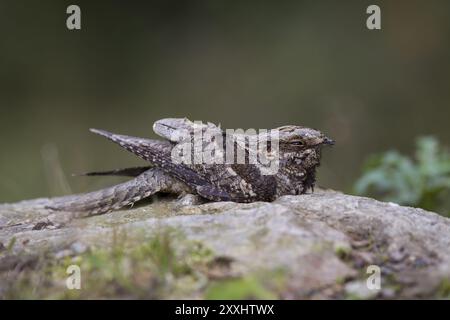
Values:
[(443, 291), (157, 267), (353, 296), (163, 266), (11, 244), (340, 280), (343, 253), (259, 286)]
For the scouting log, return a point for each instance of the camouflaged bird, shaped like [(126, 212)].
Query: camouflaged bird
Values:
[(297, 154)]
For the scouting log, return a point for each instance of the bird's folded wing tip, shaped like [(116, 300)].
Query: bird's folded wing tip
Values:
[(100, 132)]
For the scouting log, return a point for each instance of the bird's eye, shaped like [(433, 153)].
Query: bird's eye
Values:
[(297, 143)]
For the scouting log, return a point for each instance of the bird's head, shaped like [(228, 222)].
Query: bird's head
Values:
[(297, 138)]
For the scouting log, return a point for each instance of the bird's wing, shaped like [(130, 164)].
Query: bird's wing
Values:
[(126, 172), (206, 135), (182, 129), (159, 154), (212, 181)]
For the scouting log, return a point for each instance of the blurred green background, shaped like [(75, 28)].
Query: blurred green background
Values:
[(244, 64)]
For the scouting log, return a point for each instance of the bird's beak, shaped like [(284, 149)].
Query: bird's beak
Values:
[(328, 141)]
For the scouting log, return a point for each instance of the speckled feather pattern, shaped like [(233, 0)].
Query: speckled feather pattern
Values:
[(299, 155)]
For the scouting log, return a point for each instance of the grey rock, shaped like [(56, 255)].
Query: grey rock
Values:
[(322, 241), (359, 290)]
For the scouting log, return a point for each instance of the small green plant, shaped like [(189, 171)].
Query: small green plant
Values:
[(422, 181)]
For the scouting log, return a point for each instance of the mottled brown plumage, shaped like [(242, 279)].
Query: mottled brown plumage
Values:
[(298, 155)]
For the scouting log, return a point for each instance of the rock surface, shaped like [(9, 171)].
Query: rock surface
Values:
[(323, 242)]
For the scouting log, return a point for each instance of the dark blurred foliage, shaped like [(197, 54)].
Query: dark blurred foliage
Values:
[(245, 64), (422, 181)]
